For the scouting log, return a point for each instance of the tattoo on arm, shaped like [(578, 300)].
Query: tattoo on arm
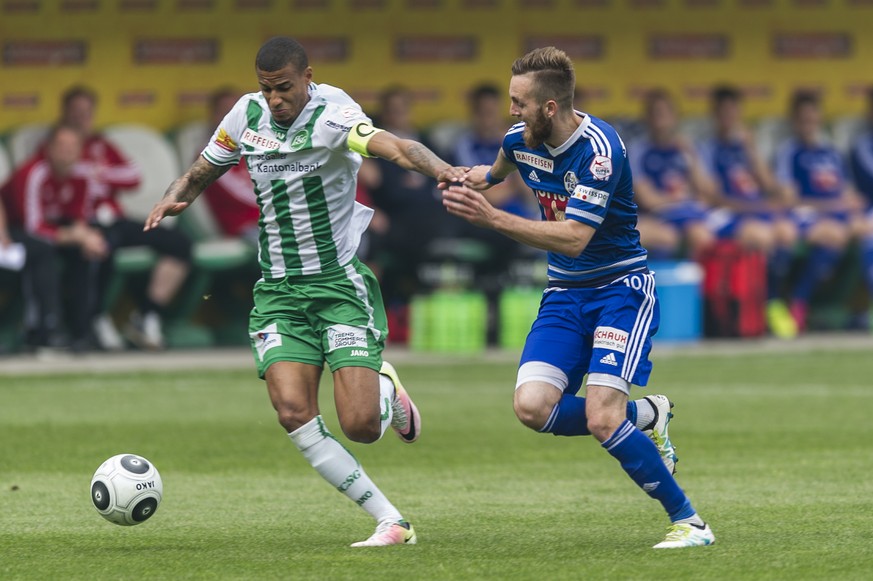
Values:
[(199, 177), (424, 160)]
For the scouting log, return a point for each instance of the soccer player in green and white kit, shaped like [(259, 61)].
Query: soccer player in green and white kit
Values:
[(316, 302)]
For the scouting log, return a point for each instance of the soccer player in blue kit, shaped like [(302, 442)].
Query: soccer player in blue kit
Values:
[(600, 309), (827, 210)]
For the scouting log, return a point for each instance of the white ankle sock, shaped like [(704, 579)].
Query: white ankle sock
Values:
[(386, 396), (691, 520), (645, 413), (341, 469)]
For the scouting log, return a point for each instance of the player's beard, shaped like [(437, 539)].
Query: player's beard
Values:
[(537, 131)]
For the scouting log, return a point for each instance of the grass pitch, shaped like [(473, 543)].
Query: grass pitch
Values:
[(775, 451)]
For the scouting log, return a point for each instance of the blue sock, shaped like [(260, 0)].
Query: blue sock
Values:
[(640, 459), (777, 271), (820, 265), (867, 261), (568, 418)]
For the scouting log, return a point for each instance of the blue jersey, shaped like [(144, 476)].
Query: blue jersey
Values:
[(816, 171), (665, 166), (729, 162), (586, 179), (862, 165)]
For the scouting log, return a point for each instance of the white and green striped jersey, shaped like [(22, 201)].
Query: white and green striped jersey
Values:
[(304, 178)]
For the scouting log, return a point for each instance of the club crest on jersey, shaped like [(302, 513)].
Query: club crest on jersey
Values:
[(301, 138), (601, 167), (570, 181), (257, 140), (536, 161)]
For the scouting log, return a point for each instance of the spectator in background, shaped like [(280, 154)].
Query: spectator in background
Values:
[(373, 237), (671, 188), (406, 203), (826, 209), (750, 207), (44, 203), (231, 199), (862, 169), (108, 174), (581, 98), (479, 145), (861, 155)]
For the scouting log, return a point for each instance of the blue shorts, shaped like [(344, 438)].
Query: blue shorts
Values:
[(606, 330), (725, 222), (683, 214), (806, 218)]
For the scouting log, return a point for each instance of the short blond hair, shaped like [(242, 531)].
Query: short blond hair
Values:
[(553, 73)]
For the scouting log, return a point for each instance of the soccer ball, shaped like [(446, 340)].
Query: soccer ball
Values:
[(126, 489)]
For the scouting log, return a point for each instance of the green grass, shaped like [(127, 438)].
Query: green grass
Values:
[(775, 452)]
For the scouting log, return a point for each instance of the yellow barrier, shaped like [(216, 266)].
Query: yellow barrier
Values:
[(154, 61)]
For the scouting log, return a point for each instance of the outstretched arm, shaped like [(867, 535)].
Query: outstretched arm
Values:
[(568, 237), (411, 155), (185, 190), (483, 177)]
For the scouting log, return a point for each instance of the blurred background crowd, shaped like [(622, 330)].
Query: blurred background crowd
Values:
[(771, 208)]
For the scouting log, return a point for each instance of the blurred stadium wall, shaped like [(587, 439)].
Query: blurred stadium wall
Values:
[(156, 60)]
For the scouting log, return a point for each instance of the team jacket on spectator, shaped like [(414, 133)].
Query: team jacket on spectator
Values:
[(862, 165), (232, 200), (39, 203), (665, 167), (817, 171), (587, 179), (729, 163), (108, 171), (115, 173)]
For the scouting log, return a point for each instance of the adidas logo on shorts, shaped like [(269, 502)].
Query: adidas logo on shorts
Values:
[(609, 359)]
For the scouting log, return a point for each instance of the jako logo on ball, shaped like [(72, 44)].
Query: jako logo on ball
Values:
[(126, 489)]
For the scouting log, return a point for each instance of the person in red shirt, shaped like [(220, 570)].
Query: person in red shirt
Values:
[(230, 199), (44, 209), (109, 174)]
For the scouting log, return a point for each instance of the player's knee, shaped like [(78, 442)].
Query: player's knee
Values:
[(600, 429), (602, 424), (291, 417), (531, 409), (364, 432), (830, 234), (293, 414), (756, 236), (699, 239), (663, 237), (363, 427), (786, 233)]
